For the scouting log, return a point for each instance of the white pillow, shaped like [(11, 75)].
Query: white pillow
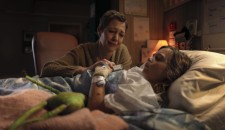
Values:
[(202, 86)]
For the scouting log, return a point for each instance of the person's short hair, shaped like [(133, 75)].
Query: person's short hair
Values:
[(108, 16)]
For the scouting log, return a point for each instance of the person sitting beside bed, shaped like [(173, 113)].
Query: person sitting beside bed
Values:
[(111, 32), (124, 90), (136, 90)]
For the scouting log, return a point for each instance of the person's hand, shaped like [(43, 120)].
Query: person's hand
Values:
[(110, 64), (101, 63), (104, 71)]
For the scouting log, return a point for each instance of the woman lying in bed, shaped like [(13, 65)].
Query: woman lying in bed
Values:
[(132, 90), (123, 90), (137, 87)]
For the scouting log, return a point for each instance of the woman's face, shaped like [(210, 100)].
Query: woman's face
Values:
[(112, 36), (155, 69)]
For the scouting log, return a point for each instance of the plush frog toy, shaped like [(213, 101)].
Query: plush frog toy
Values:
[(60, 104)]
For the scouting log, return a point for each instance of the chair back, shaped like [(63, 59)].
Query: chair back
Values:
[(47, 46)]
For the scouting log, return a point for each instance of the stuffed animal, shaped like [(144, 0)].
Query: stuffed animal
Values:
[(103, 70)]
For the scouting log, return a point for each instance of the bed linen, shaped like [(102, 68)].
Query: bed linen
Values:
[(152, 118), (130, 90), (14, 104), (201, 90)]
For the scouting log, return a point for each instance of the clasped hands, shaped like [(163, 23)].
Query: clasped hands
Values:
[(101, 71), (101, 63), (102, 68)]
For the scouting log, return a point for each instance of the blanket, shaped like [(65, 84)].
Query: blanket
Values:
[(79, 83), (19, 94), (14, 104), (124, 89)]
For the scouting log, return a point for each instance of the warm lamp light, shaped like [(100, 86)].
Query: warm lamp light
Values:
[(159, 44), (152, 47)]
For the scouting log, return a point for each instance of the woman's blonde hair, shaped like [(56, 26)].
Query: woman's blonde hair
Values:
[(178, 64), (176, 67)]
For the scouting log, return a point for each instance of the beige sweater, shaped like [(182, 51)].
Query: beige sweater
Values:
[(84, 55)]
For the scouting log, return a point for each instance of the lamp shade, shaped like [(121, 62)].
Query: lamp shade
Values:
[(159, 44), (152, 47)]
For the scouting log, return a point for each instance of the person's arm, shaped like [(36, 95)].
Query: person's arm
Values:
[(97, 90), (74, 62), (97, 94), (65, 66)]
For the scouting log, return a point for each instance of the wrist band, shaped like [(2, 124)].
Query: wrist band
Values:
[(98, 80)]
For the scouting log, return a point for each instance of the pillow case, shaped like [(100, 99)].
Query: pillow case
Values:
[(202, 86)]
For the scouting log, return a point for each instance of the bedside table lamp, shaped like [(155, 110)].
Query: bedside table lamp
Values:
[(159, 44)]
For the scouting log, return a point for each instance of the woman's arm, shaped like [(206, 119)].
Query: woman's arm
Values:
[(70, 64), (97, 94), (97, 90)]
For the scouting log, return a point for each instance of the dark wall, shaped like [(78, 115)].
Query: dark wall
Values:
[(20, 19), (193, 9), (101, 6)]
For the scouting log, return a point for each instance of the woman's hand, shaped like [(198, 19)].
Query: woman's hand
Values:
[(100, 63), (110, 64), (92, 67)]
